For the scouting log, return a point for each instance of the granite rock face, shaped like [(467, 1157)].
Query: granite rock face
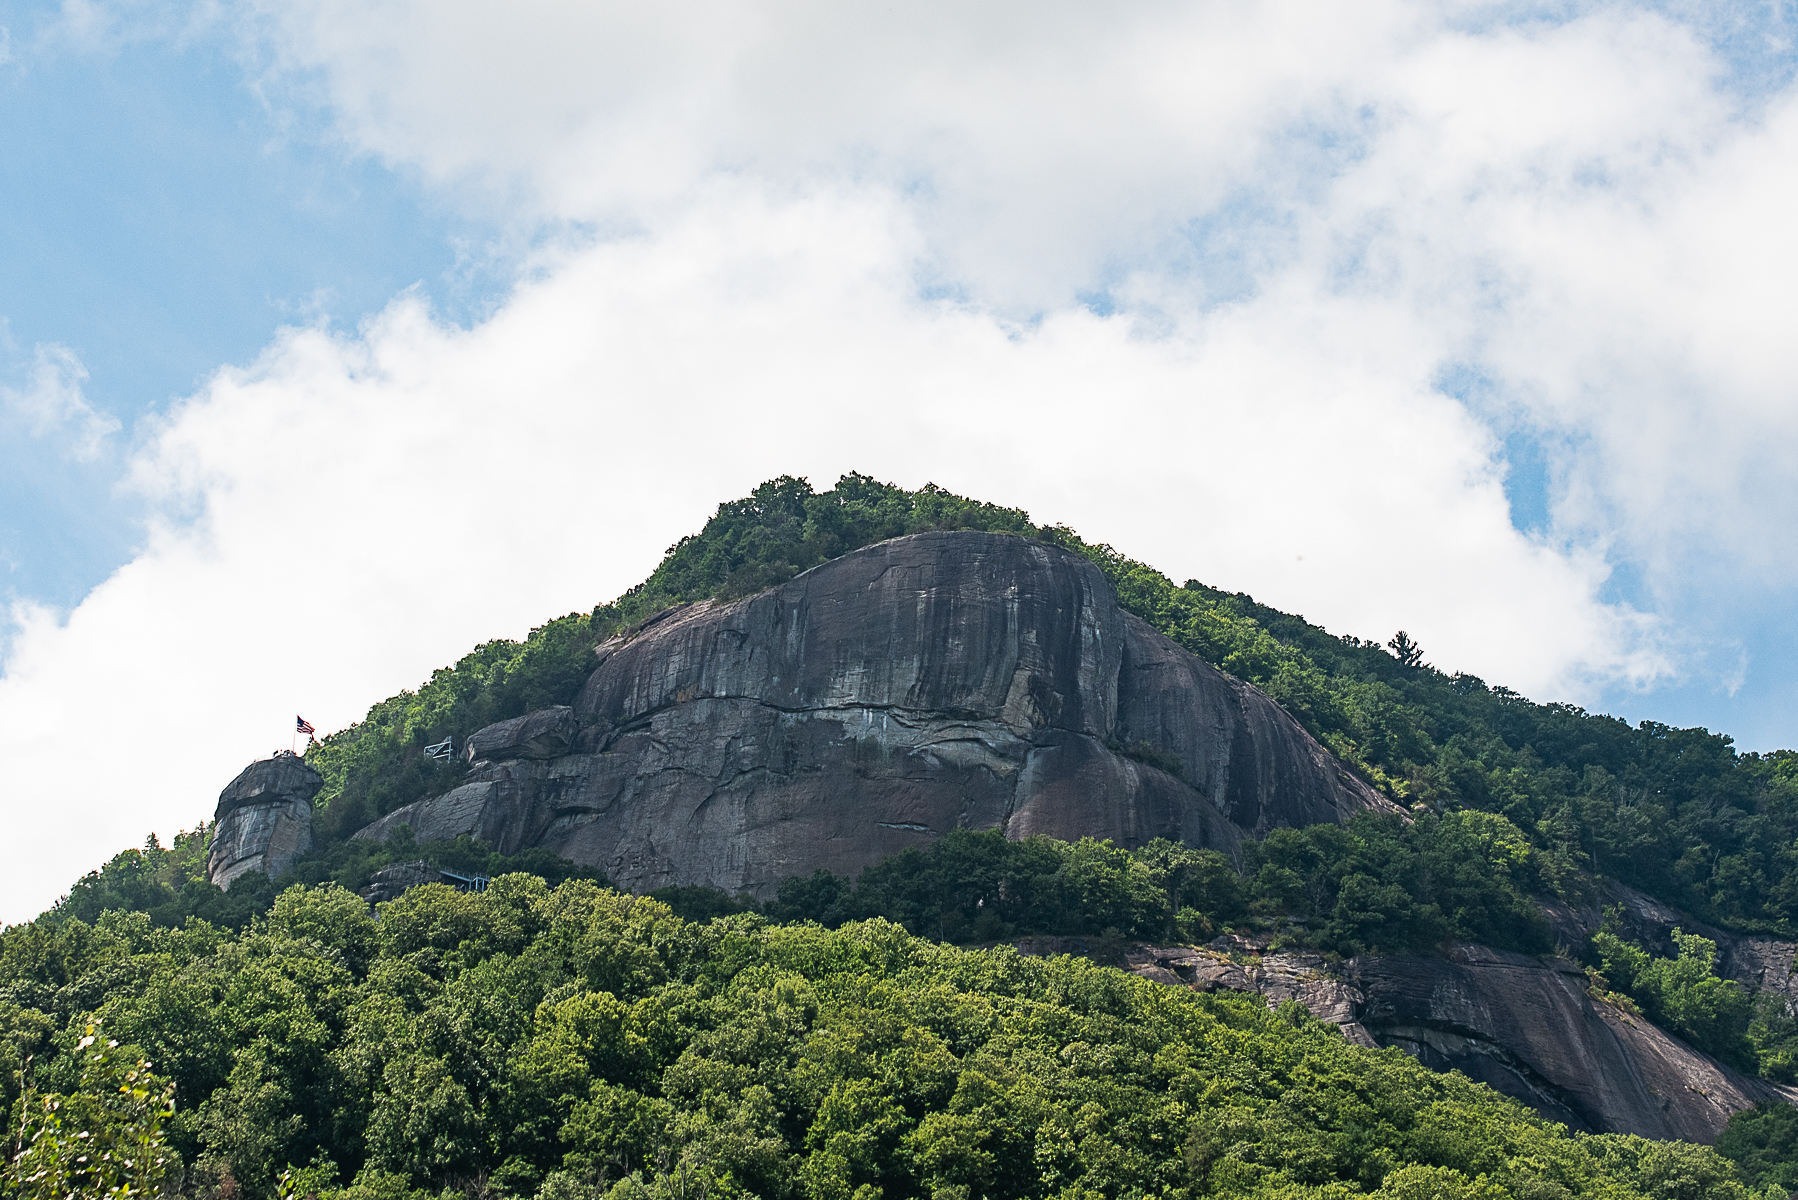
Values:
[(929, 683), (1529, 1029), (546, 733), (390, 882), (1524, 1026), (264, 819)]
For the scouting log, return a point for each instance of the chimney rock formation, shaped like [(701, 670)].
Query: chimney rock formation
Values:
[(264, 819), (929, 683)]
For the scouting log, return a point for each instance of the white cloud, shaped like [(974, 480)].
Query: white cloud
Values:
[(1302, 217), (1573, 201), (53, 403)]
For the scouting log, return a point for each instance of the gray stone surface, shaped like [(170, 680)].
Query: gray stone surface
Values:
[(1526, 1027), (390, 882), (264, 819), (504, 805), (546, 733), (929, 683), (1529, 1029)]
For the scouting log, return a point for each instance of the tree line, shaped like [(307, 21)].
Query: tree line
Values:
[(571, 1041)]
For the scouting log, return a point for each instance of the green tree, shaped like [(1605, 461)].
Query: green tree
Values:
[(1682, 994), (103, 1140), (1763, 1143)]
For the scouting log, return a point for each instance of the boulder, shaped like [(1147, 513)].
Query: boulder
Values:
[(546, 733), (1529, 1028), (391, 881), (940, 681), (503, 806), (264, 819)]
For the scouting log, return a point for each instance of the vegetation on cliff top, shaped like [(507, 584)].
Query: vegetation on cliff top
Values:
[(575, 1042)]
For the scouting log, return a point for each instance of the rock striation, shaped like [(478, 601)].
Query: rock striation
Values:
[(929, 683), (1526, 1027), (264, 819)]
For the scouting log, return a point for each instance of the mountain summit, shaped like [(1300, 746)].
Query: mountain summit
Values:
[(947, 680)]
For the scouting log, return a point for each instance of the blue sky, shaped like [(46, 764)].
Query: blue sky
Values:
[(338, 338), (160, 220)]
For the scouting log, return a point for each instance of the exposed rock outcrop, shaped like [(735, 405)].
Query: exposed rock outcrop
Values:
[(546, 733), (264, 819), (391, 882), (929, 683), (1279, 977), (1526, 1027), (1758, 962)]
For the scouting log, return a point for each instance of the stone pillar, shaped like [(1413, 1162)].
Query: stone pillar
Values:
[(264, 819)]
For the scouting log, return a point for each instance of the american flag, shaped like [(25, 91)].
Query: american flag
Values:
[(302, 725)]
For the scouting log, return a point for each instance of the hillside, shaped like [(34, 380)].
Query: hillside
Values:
[(1677, 813), (1513, 828), (574, 1042)]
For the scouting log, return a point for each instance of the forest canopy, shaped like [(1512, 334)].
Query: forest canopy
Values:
[(573, 1041)]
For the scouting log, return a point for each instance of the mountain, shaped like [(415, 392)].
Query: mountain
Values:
[(938, 681), (873, 703), (970, 680)]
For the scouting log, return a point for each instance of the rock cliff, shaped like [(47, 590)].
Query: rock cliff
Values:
[(1524, 1026), (264, 819), (933, 682)]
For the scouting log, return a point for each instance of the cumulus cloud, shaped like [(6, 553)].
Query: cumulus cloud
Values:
[(52, 403), (1188, 279), (1573, 200)]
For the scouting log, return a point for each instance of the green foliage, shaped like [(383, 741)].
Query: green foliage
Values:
[(1682, 994), (693, 903), (102, 1139), (572, 1041), (1675, 812), (977, 886), (168, 884), (1773, 1032), (1672, 1170), (783, 528), (1378, 883), (351, 863), (1763, 1143)]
